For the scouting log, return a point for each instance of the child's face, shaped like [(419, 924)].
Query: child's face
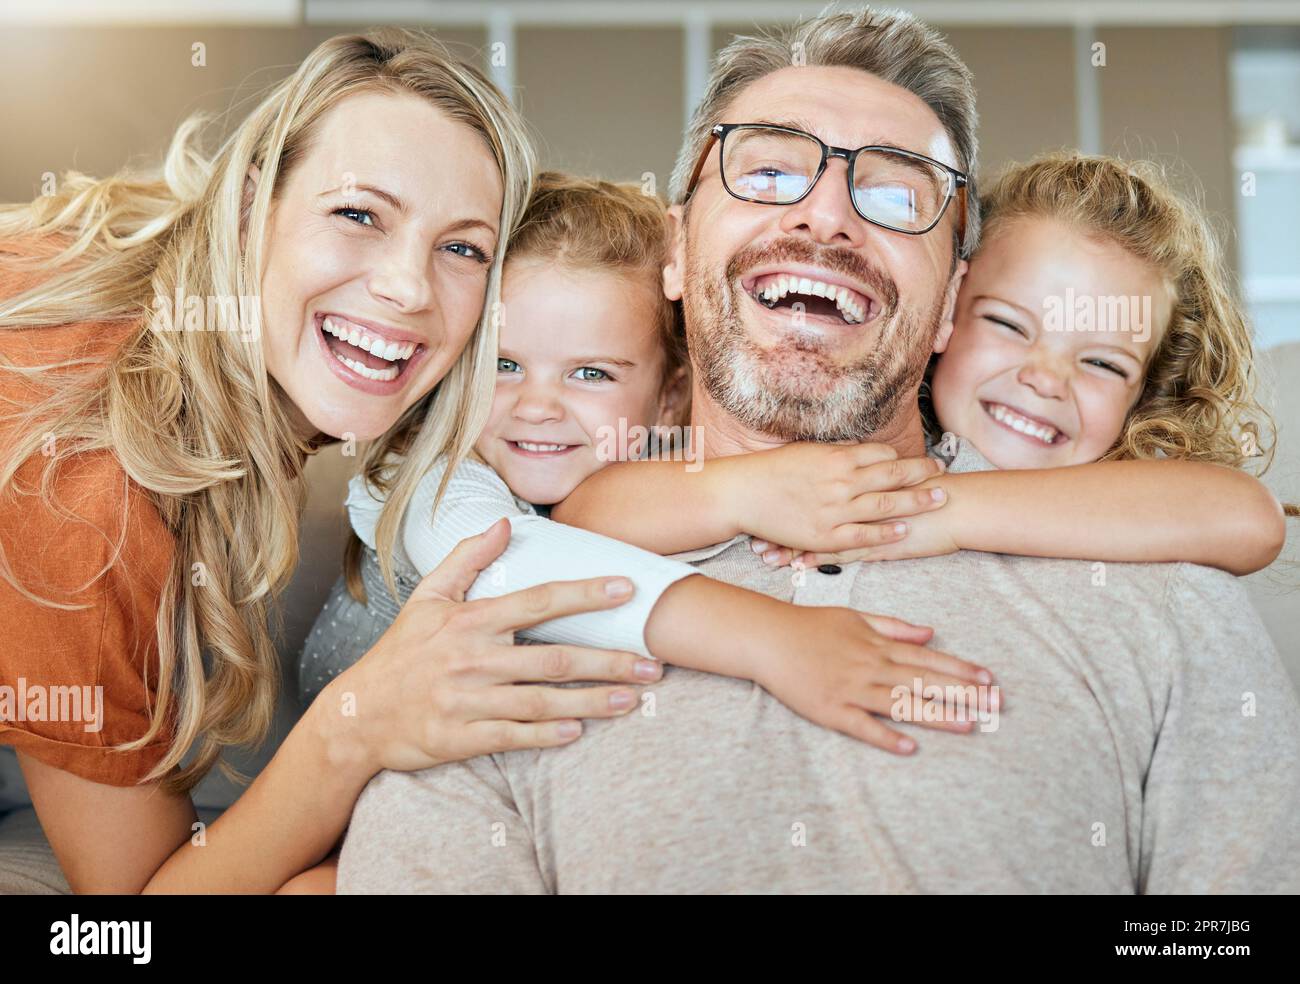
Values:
[(1014, 380), (580, 351)]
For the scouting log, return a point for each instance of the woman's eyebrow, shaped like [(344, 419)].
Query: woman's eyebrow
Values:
[(380, 193)]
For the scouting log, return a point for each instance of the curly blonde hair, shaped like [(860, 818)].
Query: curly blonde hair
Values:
[(194, 417), (1198, 399)]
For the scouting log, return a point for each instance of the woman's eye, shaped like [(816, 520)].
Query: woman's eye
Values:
[(471, 252), (596, 375), (348, 212), (1103, 364), (507, 365), (1006, 324)]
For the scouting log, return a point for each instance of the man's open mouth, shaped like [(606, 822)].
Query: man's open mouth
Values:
[(364, 350), (1034, 428), (822, 299)]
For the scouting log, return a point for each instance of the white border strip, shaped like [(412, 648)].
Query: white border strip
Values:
[(89, 13)]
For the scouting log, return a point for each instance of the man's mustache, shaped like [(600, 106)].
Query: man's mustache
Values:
[(846, 262)]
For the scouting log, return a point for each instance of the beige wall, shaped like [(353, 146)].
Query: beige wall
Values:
[(600, 100)]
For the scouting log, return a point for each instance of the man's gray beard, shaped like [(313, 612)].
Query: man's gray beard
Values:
[(765, 389)]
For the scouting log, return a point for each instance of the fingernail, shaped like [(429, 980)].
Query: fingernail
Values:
[(906, 745), (938, 495), (620, 700), (618, 587), (772, 556), (900, 529), (759, 546), (984, 676), (647, 669), (570, 729)]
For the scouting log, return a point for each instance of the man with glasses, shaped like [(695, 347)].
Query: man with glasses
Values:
[(824, 212)]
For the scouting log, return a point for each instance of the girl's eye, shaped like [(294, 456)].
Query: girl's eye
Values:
[(347, 211), (1103, 364), (1006, 324), (471, 252), (599, 374), (507, 365)]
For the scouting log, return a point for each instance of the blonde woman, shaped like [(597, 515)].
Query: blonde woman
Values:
[(172, 349)]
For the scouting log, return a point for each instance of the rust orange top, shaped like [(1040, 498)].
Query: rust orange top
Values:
[(74, 683)]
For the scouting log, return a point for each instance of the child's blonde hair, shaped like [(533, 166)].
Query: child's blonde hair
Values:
[(589, 224), (1198, 400)]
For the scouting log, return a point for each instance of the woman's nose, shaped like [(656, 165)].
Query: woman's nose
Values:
[(402, 280)]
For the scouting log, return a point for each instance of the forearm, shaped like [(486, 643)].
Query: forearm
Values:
[(1141, 511), (715, 627), (656, 505), (288, 819)]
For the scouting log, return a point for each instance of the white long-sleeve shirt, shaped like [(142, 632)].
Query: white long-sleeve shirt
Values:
[(539, 551)]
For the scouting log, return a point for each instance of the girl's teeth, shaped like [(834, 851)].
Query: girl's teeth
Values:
[(1018, 423), (541, 447)]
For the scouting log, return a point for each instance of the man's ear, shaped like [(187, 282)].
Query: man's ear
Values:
[(675, 268), (944, 334), (251, 179), (674, 396)]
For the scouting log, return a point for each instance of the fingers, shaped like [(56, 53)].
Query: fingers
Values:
[(543, 602), (773, 554), (897, 629), (873, 506), (863, 541), (862, 725), (895, 473), (490, 737), (526, 703), (957, 695), (469, 558), (566, 664), (930, 659)]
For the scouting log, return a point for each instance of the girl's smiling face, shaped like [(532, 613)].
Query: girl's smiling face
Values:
[(1052, 335), (579, 352)]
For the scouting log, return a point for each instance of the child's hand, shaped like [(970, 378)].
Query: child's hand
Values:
[(830, 497), (838, 668), (928, 535)]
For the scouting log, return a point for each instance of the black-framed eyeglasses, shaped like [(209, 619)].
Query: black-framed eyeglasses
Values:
[(897, 189)]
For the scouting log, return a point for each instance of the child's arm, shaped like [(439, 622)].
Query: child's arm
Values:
[(832, 665), (1138, 511), (807, 495)]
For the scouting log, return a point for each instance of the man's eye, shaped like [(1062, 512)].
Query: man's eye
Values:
[(348, 212), (597, 375), (1103, 364), (507, 365)]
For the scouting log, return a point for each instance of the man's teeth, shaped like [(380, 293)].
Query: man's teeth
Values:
[(391, 351), (851, 310), (1016, 422), (527, 446)]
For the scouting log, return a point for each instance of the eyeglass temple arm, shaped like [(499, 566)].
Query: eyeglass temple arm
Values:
[(699, 164)]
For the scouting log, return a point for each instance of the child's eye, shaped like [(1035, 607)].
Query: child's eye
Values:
[(472, 252), (508, 365), (1103, 364), (347, 211), (1006, 324), (599, 375)]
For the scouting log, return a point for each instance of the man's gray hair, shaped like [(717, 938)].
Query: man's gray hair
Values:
[(890, 44)]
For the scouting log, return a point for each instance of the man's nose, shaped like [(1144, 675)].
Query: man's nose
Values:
[(827, 214)]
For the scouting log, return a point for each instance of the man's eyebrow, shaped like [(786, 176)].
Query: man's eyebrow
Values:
[(796, 123)]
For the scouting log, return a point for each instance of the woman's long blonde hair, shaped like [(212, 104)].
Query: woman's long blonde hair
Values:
[(193, 417)]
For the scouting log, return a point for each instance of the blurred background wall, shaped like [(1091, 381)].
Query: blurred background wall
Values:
[(1212, 89)]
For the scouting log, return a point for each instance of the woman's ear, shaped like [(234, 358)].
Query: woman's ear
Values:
[(246, 205)]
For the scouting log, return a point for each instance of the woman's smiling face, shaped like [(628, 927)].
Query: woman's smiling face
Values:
[(1052, 336), (376, 265)]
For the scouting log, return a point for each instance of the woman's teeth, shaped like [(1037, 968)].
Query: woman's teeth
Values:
[(1005, 415), (383, 375), (851, 309), (391, 351)]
